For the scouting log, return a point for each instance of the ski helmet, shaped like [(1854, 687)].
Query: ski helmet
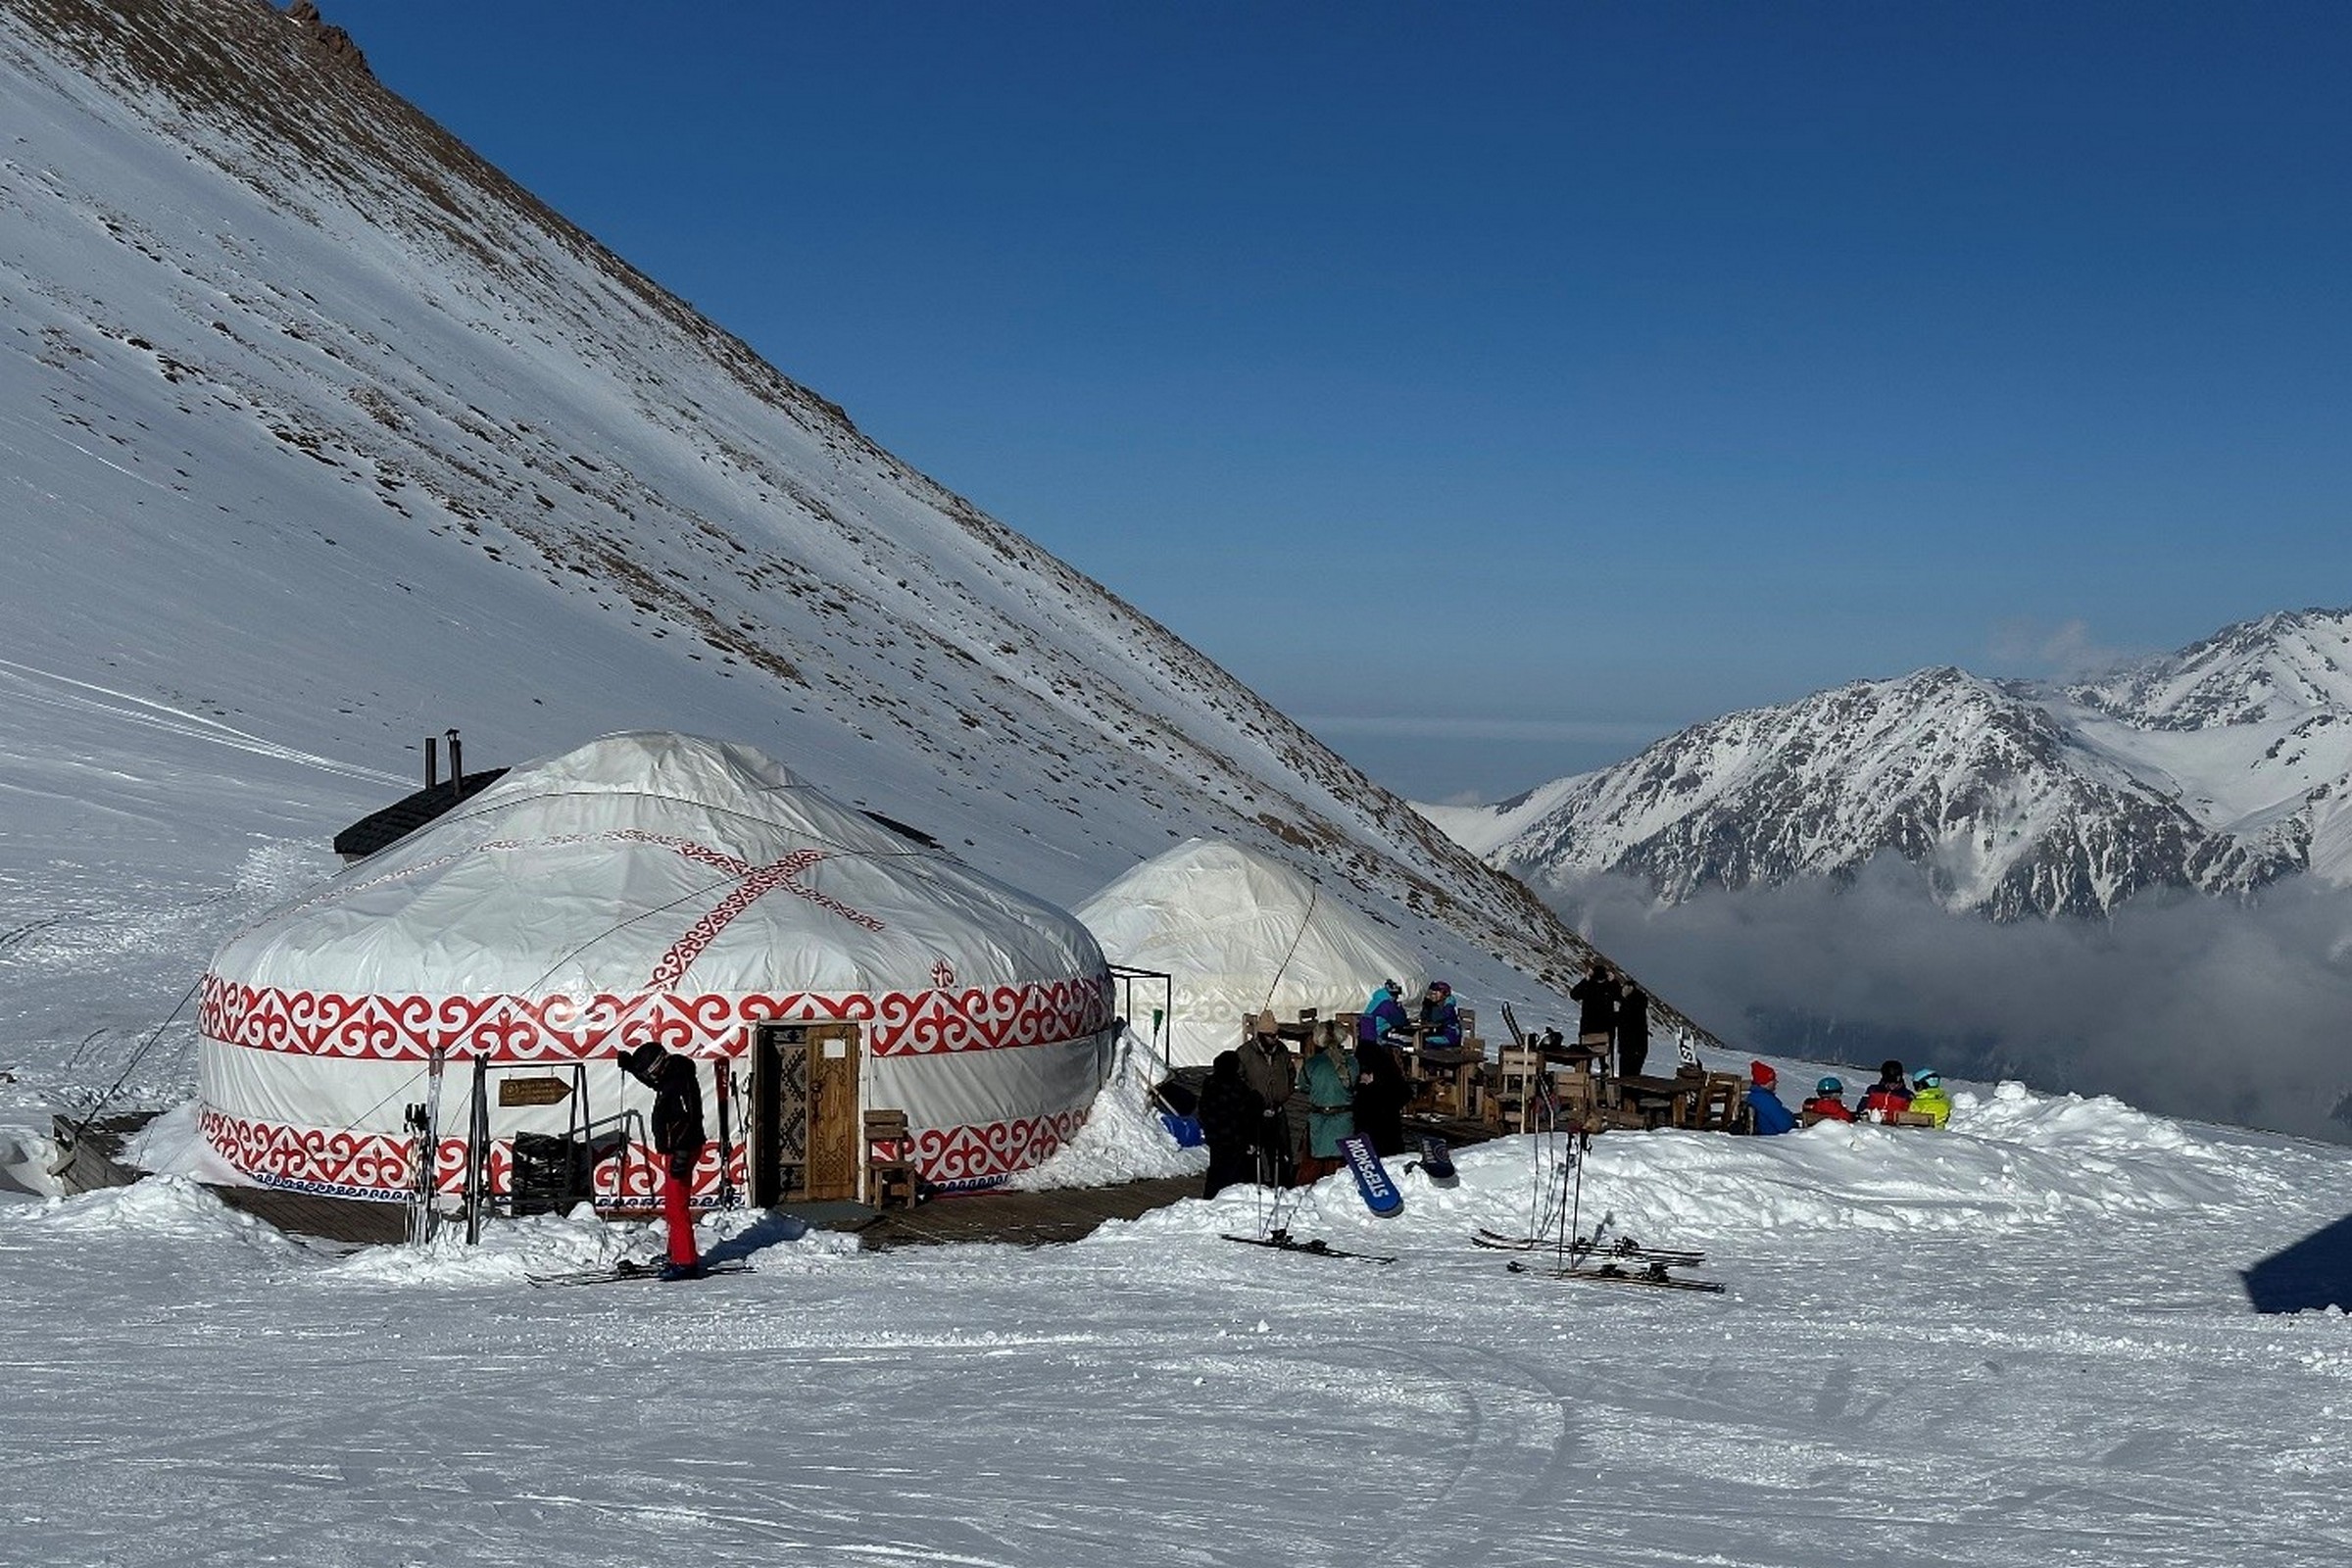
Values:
[(1830, 1085), (1927, 1078)]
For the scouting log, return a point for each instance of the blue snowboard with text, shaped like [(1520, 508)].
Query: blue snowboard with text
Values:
[(1379, 1194)]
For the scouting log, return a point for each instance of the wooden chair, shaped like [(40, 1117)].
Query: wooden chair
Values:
[(889, 1159), (1515, 1079), (1722, 1103)]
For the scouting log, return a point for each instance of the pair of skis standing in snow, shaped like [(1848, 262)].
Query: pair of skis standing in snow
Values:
[(1553, 1223)]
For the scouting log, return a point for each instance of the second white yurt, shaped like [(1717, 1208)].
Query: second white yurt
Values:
[(659, 887), (1239, 932)]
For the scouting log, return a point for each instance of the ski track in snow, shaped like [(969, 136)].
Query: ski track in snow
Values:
[(2056, 1366)]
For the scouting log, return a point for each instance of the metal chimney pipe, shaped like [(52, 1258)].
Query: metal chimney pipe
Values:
[(456, 766), (432, 761)]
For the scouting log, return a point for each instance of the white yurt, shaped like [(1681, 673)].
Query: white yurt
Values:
[(818, 964), (1241, 932)]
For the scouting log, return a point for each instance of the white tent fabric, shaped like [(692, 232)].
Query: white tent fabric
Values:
[(1241, 932), (647, 885)]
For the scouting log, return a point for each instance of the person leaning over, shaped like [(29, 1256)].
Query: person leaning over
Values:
[(1266, 1067), (1329, 1081), (679, 1139)]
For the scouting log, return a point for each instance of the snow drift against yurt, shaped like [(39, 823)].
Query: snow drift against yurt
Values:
[(1241, 932), (657, 886)]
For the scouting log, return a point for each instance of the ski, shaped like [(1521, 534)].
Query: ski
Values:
[(1651, 1276), (1618, 1251), (1284, 1241), (619, 1272)]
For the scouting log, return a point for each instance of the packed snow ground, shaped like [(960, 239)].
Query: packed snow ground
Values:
[(2022, 1341)]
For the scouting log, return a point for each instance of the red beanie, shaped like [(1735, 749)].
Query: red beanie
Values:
[(1763, 1076)]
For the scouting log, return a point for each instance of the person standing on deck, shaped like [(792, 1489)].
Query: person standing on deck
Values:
[(1329, 1082), (1265, 1062), (1633, 1030), (679, 1139), (1595, 997), (1229, 1111)]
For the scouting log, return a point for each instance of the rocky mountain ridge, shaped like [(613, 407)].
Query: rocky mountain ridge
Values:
[(2215, 769)]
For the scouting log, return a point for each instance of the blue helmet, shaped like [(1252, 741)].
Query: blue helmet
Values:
[(1927, 1078), (1830, 1085)]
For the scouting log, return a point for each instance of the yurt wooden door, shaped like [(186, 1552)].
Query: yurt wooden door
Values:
[(804, 1112)]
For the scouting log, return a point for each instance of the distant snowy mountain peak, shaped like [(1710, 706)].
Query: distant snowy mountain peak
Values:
[(2282, 666), (2217, 768)]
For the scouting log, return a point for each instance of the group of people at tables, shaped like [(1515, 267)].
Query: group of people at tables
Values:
[(1889, 1100), (1353, 1081)]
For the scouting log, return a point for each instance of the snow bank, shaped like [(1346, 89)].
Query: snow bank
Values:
[(1123, 1139), (2010, 1161), (159, 1209)]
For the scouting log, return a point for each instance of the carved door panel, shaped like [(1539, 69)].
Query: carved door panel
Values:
[(832, 1124)]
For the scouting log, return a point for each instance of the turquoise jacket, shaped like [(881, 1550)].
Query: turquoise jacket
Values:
[(1330, 1102)]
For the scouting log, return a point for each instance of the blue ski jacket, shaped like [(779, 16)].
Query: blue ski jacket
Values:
[(1382, 1015), (1770, 1116)]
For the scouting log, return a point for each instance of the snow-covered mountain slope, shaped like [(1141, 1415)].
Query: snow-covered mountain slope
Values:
[(319, 435), (2217, 769)]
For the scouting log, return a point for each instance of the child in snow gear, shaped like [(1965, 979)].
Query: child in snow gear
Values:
[(1829, 1101), (1230, 1111), (1764, 1108), (1265, 1058), (679, 1138), (1890, 1096), (1929, 1097), (1383, 1015), (1441, 1018), (1329, 1080)]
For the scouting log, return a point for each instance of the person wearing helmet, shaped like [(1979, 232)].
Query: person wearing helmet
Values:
[(1929, 1097), (1383, 1015), (1765, 1111), (1827, 1102), (1890, 1096), (1441, 1018)]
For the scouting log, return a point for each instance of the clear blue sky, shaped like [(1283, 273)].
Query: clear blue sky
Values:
[(1497, 388)]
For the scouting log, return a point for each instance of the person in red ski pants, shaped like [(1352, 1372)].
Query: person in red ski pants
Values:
[(679, 1138)]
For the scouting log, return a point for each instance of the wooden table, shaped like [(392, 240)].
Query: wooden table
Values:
[(1656, 1100)]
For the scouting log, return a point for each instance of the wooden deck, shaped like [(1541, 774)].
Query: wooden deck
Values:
[(1024, 1219)]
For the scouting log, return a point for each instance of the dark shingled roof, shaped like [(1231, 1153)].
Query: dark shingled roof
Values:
[(402, 818)]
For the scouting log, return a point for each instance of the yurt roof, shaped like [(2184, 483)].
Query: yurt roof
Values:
[(1240, 931), (652, 860)]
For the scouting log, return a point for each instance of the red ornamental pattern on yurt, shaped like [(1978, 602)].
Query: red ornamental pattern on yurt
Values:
[(318, 1159), (514, 1028)]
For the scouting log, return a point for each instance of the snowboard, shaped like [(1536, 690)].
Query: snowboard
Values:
[(1435, 1162), (1372, 1181)]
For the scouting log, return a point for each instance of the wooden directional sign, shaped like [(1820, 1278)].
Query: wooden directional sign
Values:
[(533, 1091)]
